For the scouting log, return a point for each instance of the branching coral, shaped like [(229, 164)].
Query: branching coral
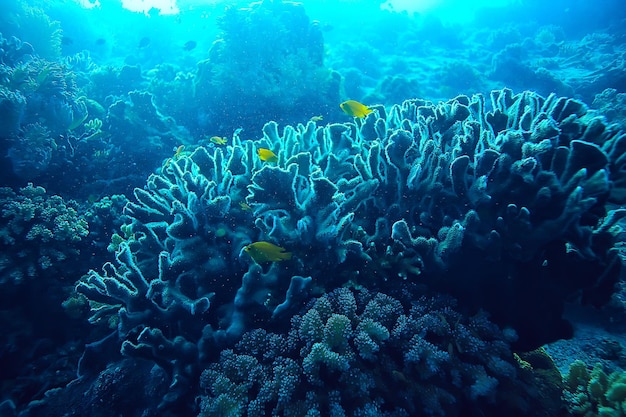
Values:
[(38, 102), (505, 208), (176, 282), (31, 151), (40, 235), (12, 107), (523, 184)]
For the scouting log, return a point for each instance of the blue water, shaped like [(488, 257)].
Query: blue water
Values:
[(327, 208)]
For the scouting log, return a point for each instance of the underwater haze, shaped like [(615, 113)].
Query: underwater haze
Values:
[(334, 208)]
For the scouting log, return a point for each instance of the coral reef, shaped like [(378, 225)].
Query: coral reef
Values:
[(503, 207), (40, 107), (43, 248), (363, 354), (427, 249), (612, 105), (269, 57), (476, 186), (177, 289), (594, 393), (12, 106), (13, 51), (113, 81), (32, 25), (40, 235)]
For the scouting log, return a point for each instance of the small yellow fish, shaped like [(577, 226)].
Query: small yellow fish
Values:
[(317, 118), (178, 151), (355, 109), (217, 140), (245, 206), (266, 252), (267, 155)]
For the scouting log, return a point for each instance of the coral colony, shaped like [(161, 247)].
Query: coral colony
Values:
[(404, 259)]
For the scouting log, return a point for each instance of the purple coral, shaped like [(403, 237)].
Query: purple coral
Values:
[(428, 361)]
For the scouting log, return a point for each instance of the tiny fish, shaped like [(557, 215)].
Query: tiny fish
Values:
[(245, 206), (317, 118), (189, 45), (266, 252), (178, 151), (267, 155), (355, 109), (217, 140), (145, 41)]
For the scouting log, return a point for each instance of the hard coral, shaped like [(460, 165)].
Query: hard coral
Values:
[(363, 354), (503, 205), (40, 234), (177, 288)]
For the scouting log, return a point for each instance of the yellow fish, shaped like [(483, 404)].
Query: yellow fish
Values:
[(317, 118), (266, 252), (177, 154), (355, 109), (267, 155), (217, 140), (245, 206), (178, 151)]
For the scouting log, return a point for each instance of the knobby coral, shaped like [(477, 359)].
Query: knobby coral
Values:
[(363, 354), (39, 234)]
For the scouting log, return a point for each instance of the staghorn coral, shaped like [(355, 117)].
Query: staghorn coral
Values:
[(40, 235), (357, 354)]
